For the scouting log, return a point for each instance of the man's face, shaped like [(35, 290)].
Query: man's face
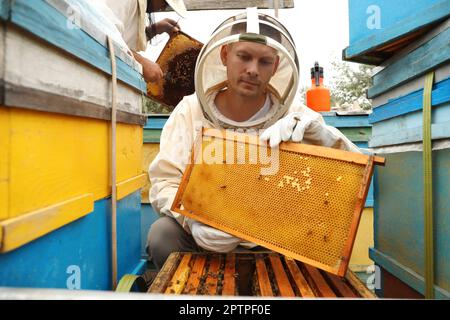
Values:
[(250, 66)]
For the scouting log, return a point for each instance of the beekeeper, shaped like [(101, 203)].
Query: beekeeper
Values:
[(130, 17), (246, 77)]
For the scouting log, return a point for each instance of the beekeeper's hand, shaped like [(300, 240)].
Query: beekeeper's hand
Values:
[(167, 25), (150, 70), (210, 238), (292, 127)]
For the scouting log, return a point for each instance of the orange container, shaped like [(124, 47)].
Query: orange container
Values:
[(318, 96)]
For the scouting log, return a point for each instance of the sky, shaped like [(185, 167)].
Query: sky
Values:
[(319, 29)]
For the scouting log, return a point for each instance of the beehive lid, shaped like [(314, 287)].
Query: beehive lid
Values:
[(309, 209), (177, 61)]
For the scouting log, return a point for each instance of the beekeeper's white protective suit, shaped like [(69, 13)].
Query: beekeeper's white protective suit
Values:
[(285, 118)]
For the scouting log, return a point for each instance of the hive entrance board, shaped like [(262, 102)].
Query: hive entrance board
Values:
[(177, 61), (308, 208)]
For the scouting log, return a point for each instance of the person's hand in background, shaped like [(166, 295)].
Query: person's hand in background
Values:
[(166, 25), (150, 70)]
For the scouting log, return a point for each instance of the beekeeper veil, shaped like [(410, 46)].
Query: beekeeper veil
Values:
[(211, 74)]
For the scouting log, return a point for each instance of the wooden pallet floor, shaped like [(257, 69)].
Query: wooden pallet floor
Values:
[(252, 274)]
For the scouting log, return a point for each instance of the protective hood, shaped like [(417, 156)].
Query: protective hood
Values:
[(211, 74)]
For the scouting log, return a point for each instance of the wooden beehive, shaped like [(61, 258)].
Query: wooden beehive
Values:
[(265, 274), (411, 129), (380, 29), (309, 209)]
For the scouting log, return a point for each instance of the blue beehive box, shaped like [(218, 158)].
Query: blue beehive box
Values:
[(397, 135), (380, 28)]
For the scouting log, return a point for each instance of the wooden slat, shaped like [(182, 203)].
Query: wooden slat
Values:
[(168, 269), (362, 195), (34, 99), (319, 282), (395, 46), (229, 280), (373, 58), (128, 186), (196, 149), (196, 274), (152, 135), (341, 286), (234, 4), (357, 284), (284, 286), (213, 275), (347, 121), (411, 101), (312, 150), (408, 135), (263, 277), (357, 134), (23, 229), (176, 278), (113, 165), (300, 281), (124, 188), (179, 279), (412, 64)]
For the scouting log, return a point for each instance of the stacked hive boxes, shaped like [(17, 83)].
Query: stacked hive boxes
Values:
[(408, 44), (55, 187)]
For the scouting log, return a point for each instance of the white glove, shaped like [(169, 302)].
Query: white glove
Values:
[(292, 127), (210, 238), (298, 126)]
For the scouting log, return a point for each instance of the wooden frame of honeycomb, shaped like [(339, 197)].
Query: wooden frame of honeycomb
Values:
[(177, 61), (309, 210)]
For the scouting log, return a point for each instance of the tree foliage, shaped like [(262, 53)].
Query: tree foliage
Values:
[(349, 85)]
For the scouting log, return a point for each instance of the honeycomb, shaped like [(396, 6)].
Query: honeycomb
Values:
[(177, 61), (305, 210)]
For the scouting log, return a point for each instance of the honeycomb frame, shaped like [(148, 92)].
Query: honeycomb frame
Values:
[(177, 44), (321, 233)]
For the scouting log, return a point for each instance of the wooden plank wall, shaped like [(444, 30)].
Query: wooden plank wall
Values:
[(430, 55), (235, 4)]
